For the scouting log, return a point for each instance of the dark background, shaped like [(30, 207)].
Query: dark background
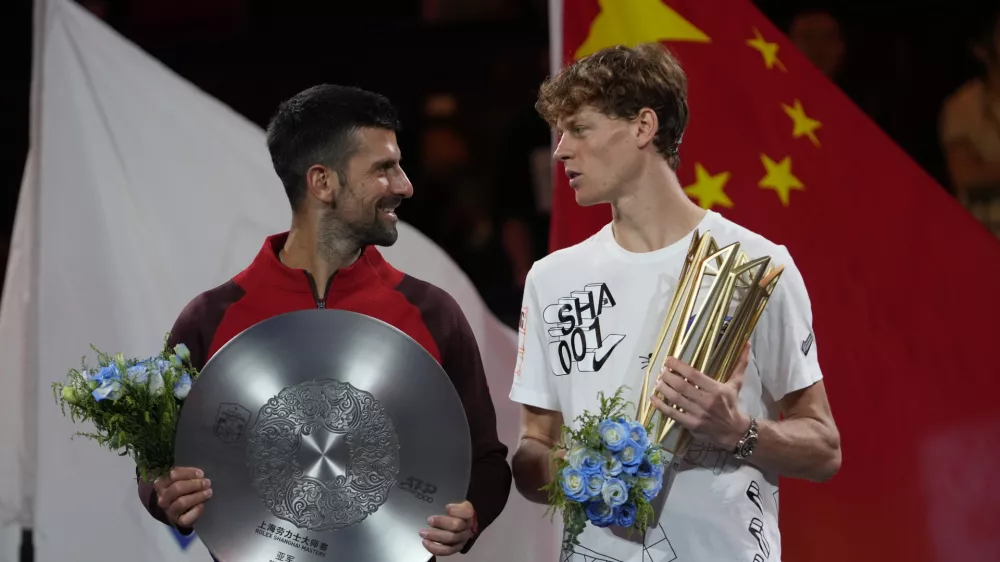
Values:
[(465, 73)]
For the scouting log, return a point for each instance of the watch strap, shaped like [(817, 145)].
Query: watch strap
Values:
[(750, 433)]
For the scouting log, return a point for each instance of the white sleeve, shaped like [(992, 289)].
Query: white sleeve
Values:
[(783, 344), (532, 384)]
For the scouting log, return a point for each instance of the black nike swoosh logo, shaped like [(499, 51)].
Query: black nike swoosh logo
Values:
[(601, 357)]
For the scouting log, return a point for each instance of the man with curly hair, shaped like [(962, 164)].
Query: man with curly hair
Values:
[(592, 312)]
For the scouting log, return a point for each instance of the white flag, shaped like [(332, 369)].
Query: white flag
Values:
[(147, 192)]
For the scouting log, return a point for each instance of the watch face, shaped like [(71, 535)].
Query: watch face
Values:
[(747, 449)]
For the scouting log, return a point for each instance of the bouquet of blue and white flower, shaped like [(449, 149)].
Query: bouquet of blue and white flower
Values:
[(610, 472), (128, 403)]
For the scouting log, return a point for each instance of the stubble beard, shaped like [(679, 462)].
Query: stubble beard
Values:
[(340, 239)]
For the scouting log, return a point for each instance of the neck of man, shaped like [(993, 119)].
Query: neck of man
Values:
[(654, 211), (320, 253)]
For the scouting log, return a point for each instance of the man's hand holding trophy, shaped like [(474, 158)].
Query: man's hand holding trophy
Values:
[(704, 340)]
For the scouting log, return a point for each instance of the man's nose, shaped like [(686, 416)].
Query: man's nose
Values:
[(402, 186), (563, 150)]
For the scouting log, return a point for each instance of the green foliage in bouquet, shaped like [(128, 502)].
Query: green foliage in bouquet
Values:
[(609, 473), (133, 404)]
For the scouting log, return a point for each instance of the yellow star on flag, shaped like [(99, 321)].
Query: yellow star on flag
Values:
[(768, 50), (631, 22), (803, 124), (708, 189), (779, 178)]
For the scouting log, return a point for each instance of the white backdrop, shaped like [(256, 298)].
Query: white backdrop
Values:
[(140, 192)]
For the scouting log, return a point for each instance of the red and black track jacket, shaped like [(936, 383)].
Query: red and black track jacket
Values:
[(373, 287)]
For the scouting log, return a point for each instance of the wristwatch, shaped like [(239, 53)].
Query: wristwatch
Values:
[(745, 446)]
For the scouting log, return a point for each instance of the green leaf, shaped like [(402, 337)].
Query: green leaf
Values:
[(137, 424)]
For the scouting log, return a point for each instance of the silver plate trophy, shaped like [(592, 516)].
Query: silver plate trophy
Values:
[(327, 435)]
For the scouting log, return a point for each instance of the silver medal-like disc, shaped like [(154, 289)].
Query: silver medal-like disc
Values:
[(327, 435)]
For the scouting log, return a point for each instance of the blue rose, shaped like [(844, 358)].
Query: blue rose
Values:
[(161, 365), (626, 515), (137, 373), (574, 484), (614, 434), (107, 374), (645, 469), (183, 352), (155, 383), (631, 455), (575, 456), (637, 433), (650, 486), (614, 492), (584, 459), (611, 465), (600, 514), (108, 391), (107, 384), (146, 372), (595, 483), (182, 386)]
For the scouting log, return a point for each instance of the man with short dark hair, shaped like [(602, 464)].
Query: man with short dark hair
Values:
[(335, 150), (592, 314)]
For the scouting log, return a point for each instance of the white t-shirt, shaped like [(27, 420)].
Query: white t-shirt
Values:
[(716, 507)]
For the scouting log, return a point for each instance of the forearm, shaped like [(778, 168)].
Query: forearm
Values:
[(533, 469), (489, 487), (797, 448), (147, 495)]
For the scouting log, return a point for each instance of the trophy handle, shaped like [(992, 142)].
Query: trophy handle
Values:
[(695, 249), (710, 340)]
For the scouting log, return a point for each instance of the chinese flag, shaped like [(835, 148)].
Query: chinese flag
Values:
[(905, 285)]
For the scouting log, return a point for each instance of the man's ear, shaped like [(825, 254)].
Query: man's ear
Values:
[(646, 125), (322, 183)]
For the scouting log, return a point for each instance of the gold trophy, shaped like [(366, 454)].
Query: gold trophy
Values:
[(718, 300)]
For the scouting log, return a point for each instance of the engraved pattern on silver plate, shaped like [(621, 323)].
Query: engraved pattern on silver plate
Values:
[(319, 493), (296, 349)]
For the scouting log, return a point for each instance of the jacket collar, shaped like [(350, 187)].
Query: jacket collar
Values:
[(370, 267)]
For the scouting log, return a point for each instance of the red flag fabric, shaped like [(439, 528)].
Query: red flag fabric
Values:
[(903, 281)]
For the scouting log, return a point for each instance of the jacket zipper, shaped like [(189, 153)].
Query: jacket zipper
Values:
[(320, 302)]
